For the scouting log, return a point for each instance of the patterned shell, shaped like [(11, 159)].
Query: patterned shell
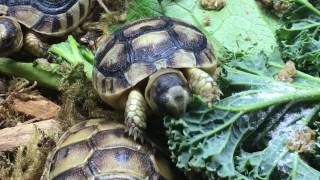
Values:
[(99, 149), (50, 17), (139, 49)]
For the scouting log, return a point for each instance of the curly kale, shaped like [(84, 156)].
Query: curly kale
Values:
[(263, 131), (299, 37)]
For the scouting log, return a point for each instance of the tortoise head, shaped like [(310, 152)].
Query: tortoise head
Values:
[(168, 93), (10, 36)]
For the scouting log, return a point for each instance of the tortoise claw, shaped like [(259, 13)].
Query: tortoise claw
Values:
[(136, 133)]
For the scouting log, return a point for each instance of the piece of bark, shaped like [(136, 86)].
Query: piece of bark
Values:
[(41, 109), (11, 138)]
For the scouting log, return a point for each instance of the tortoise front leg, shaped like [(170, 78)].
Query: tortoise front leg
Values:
[(136, 114), (34, 45), (203, 84)]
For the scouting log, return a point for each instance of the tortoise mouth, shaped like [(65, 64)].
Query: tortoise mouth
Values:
[(178, 99)]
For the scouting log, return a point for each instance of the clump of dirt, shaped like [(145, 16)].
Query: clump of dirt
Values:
[(212, 4), (278, 7)]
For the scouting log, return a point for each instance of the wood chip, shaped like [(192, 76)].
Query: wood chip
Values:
[(11, 138), (38, 109)]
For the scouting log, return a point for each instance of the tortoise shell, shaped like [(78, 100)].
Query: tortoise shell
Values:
[(137, 50), (50, 17), (99, 149)]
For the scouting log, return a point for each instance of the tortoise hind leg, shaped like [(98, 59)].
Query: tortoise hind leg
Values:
[(11, 37), (3, 10), (203, 84), (34, 45), (136, 114)]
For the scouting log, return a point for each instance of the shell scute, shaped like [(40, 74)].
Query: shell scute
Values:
[(47, 17), (74, 155), (20, 12), (105, 154), (143, 26), (78, 136), (189, 38), (121, 159), (183, 58), (82, 173), (151, 44), (115, 58), (114, 137)]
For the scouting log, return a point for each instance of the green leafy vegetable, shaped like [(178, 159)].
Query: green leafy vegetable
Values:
[(277, 159), (52, 74), (139, 9), (255, 30), (32, 72), (299, 37), (143, 8), (71, 52), (244, 136)]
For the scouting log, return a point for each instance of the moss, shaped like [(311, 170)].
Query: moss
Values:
[(80, 102), (5, 165), (29, 160), (17, 88)]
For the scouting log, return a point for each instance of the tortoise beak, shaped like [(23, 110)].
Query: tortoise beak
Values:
[(178, 99)]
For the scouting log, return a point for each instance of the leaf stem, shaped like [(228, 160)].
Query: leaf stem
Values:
[(308, 119), (307, 4), (298, 73), (31, 72), (294, 166), (306, 96)]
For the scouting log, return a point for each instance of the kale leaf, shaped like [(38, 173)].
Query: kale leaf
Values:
[(240, 25), (299, 37), (247, 134)]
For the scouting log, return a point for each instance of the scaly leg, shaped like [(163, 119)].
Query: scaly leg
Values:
[(136, 114), (11, 37), (34, 45), (201, 83), (3, 10)]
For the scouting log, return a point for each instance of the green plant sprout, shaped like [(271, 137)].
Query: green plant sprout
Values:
[(52, 75)]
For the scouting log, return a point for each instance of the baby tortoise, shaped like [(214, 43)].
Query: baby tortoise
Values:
[(46, 17), (99, 149), (154, 63)]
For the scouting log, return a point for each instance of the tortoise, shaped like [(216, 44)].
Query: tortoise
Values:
[(100, 149), (153, 65), (51, 18)]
